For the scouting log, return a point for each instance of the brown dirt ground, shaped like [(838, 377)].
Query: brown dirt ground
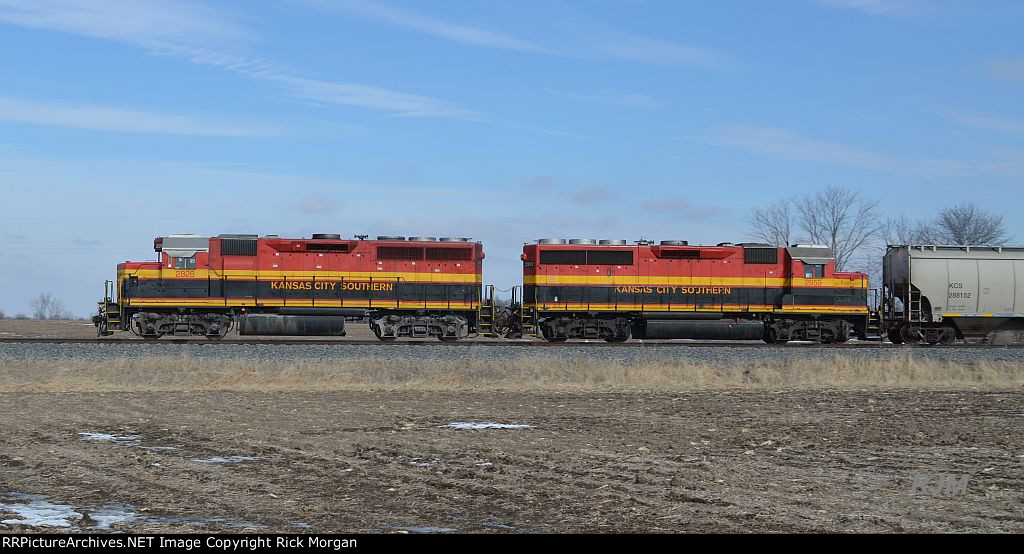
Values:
[(719, 461)]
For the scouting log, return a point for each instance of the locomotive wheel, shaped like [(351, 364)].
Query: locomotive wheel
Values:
[(151, 337), (380, 337), (771, 336), (616, 339), (448, 339), (556, 339)]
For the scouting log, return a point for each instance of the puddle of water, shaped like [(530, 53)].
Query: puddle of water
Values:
[(131, 440), (112, 515), (226, 459), (495, 524), (486, 425), (36, 511)]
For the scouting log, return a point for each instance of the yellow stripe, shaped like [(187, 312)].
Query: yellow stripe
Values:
[(235, 302), (742, 308), (240, 274), (626, 280)]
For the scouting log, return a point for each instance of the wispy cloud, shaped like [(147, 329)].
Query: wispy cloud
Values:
[(616, 98), (990, 122), (573, 42), (682, 209), (317, 205), (368, 96), (1010, 69), (590, 196), (114, 119), (787, 144), (790, 145), (206, 37), (427, 24), (876, 7), (152, 24)]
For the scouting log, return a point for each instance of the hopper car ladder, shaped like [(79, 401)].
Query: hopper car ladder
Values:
[(874, 329)]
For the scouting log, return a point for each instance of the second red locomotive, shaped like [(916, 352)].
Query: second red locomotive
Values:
[(611, 290)]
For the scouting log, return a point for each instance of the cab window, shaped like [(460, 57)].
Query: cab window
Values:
[(185, 263), (814, 271)]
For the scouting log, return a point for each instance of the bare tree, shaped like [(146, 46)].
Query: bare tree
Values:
[(2, 315), (773, 223), (48, 306), (839, 219), (969, 224), (900, 230)]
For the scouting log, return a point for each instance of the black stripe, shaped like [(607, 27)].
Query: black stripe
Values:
[(701, 296), (377, 290)]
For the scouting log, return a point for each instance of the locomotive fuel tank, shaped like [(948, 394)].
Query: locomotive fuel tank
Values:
[(292, 325), (720, 329)]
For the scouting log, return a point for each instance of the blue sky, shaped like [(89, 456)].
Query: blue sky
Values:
[(505, 121)]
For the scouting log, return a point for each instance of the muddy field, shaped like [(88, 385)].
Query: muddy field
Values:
[(754, 460)]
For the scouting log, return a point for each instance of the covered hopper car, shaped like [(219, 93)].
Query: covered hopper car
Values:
[(941, 293)]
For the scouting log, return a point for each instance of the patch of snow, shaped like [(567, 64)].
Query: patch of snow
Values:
[(226, 459), (486, 425), (116, 439), (36, 511), (112, 515)]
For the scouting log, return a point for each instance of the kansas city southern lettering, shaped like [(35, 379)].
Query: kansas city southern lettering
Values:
[(674, 290), (331, 285)]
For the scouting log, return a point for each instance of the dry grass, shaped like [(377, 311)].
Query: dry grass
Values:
[(901, 371)]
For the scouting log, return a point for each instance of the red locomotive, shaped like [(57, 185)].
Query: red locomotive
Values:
[(420, 287), (610, 290)]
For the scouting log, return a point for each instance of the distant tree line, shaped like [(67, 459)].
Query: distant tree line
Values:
[(44, 306), (850, 225)]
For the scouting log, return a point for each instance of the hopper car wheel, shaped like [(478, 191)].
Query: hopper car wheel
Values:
[(909, 336), (948, 336), (895, 336), (556, 339)]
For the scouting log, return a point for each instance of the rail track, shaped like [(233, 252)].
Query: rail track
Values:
[(488, 343)]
